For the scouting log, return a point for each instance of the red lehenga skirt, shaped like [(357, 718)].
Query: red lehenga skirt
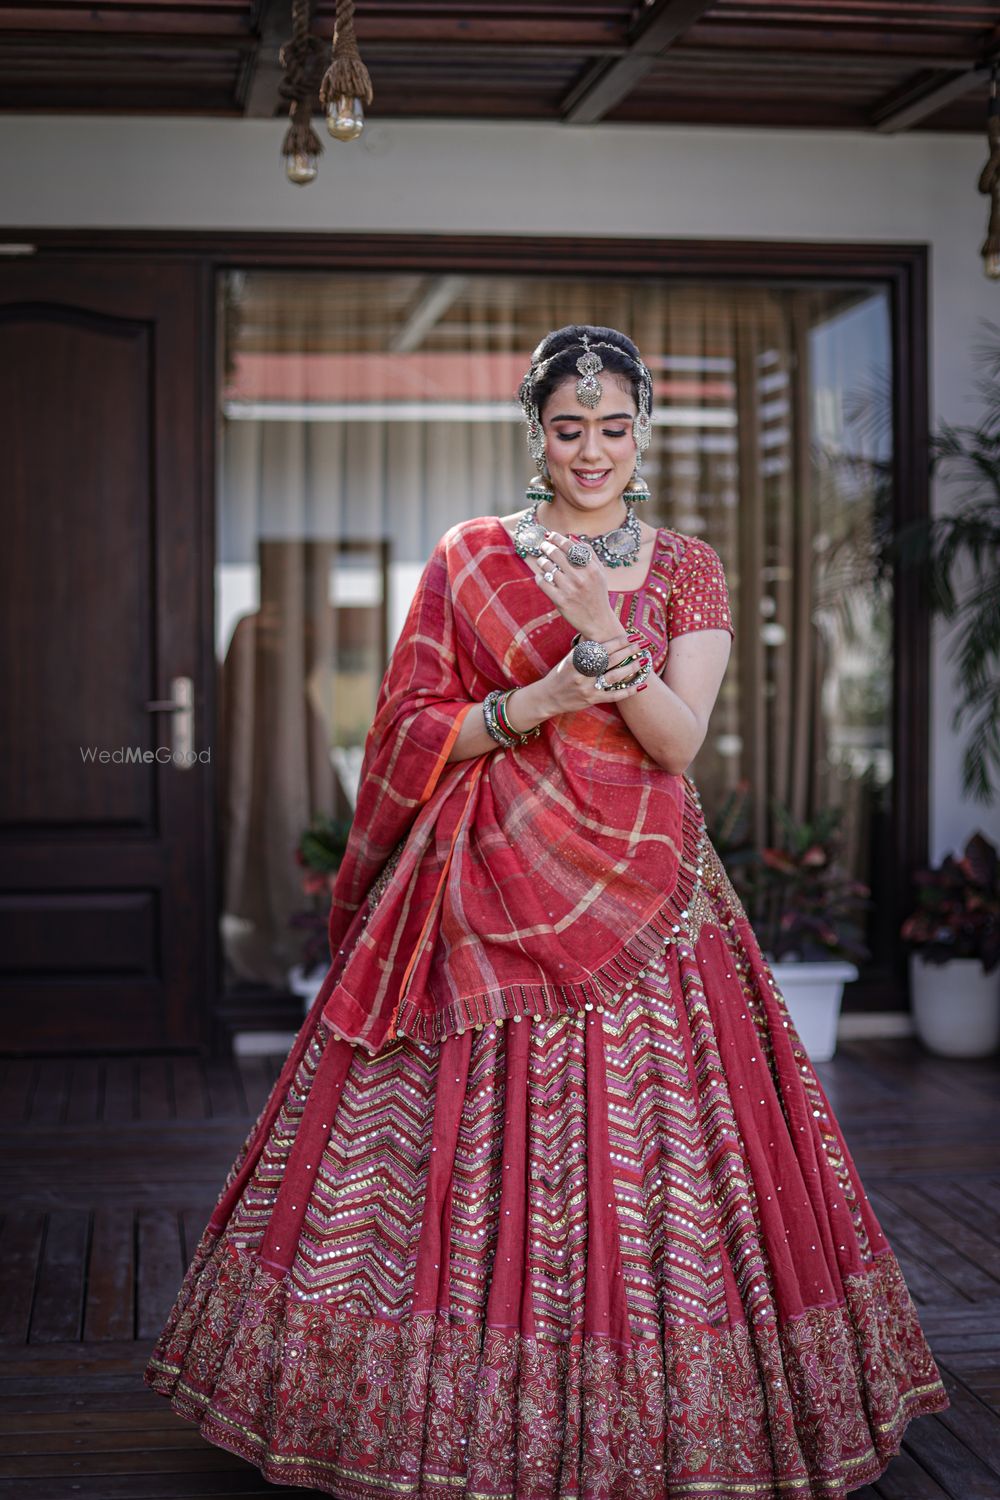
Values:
[(622, 1254)]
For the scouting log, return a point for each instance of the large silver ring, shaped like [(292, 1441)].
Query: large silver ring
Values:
[(633, 681), (590, 658), (579, 554)]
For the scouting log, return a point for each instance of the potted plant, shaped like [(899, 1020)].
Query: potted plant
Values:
[(803, 905), (319, 853), (954, 940)]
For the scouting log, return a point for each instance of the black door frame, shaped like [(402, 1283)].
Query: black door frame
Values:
[(901, 268)]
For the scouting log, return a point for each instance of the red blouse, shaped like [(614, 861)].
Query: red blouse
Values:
[(685, 589)]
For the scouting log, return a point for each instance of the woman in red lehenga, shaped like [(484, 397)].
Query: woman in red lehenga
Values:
[(548, 1201)]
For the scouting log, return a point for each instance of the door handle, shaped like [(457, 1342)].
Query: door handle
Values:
[(181, 705)]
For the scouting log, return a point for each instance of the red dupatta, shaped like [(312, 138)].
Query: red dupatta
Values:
[(524, 881)]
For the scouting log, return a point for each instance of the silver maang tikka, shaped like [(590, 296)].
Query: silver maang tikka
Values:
[(588, 388)]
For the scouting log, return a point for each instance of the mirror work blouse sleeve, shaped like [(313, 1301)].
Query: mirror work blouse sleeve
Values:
[(699, 597)]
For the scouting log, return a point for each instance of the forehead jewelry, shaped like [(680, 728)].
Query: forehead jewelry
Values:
[(589, 389)]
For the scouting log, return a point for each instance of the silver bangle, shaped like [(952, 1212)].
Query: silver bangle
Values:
[(489, 715)]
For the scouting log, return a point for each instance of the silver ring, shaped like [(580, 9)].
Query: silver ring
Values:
[(552, 573), (590, 658), (579, 554)]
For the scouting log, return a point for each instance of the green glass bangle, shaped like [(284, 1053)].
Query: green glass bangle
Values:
[(506, 725)]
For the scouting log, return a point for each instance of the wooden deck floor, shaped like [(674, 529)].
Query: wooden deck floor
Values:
[(112, 1166)]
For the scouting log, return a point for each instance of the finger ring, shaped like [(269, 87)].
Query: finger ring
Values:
[(549, 576), (579, 554), (590, 658)]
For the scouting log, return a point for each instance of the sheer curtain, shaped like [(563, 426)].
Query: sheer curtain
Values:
[(362, 415)]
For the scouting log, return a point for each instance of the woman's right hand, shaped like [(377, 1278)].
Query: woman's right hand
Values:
[(566, 690)]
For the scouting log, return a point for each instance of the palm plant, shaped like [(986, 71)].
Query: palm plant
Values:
[(968, 458)]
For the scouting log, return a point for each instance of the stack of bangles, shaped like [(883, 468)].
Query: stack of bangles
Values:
[(497, 722)]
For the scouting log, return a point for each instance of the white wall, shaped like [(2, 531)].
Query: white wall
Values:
[(435, 176)]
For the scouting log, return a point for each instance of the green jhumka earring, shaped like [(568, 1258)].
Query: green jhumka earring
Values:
[(642, 431)]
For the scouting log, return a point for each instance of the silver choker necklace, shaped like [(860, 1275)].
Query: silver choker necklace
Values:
[(616, 548)]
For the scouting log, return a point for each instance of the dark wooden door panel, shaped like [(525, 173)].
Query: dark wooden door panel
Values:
[(103, 928)]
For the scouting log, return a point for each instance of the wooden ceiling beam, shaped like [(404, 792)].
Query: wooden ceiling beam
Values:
[(906, 108), (931, 47), (257, 93), (72, 24), (604, 85), (120, 47)]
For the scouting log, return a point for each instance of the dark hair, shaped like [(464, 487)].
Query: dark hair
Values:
[(565, 345)]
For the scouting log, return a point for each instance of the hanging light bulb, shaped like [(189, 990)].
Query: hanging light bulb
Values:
[(345, 117), (346, 88), (301, 166)]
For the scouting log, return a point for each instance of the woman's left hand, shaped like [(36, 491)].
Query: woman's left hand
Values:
[(579, 593)]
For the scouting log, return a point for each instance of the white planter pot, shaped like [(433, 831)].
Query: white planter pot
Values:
[(813, 992), (305, 984), (956, 1006)]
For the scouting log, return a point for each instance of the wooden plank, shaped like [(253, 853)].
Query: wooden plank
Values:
[(109, 1310), (942, 1221), (119, 1090), (50, 1096), (947, 1459), (59, 1398), (962, 1274), (154, 1096), (237, 1484), (225, 1092), (203, 1459), (159, 1271), (20, 1251), (607, 84), (38, 1426), (904, 1479), (86, 1091), (59, 1293), (973, 1423), (85, 1439), (257, 1079), (71, 1356), (927, 1288), (16, 1090), (193, 1224), (909, 106), (190, 1095), (973, 1196)]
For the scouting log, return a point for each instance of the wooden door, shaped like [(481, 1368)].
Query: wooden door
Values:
[(104, 844)]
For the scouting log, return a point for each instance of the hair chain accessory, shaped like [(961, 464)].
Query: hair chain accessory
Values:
[(642, 426), (536, 435)]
